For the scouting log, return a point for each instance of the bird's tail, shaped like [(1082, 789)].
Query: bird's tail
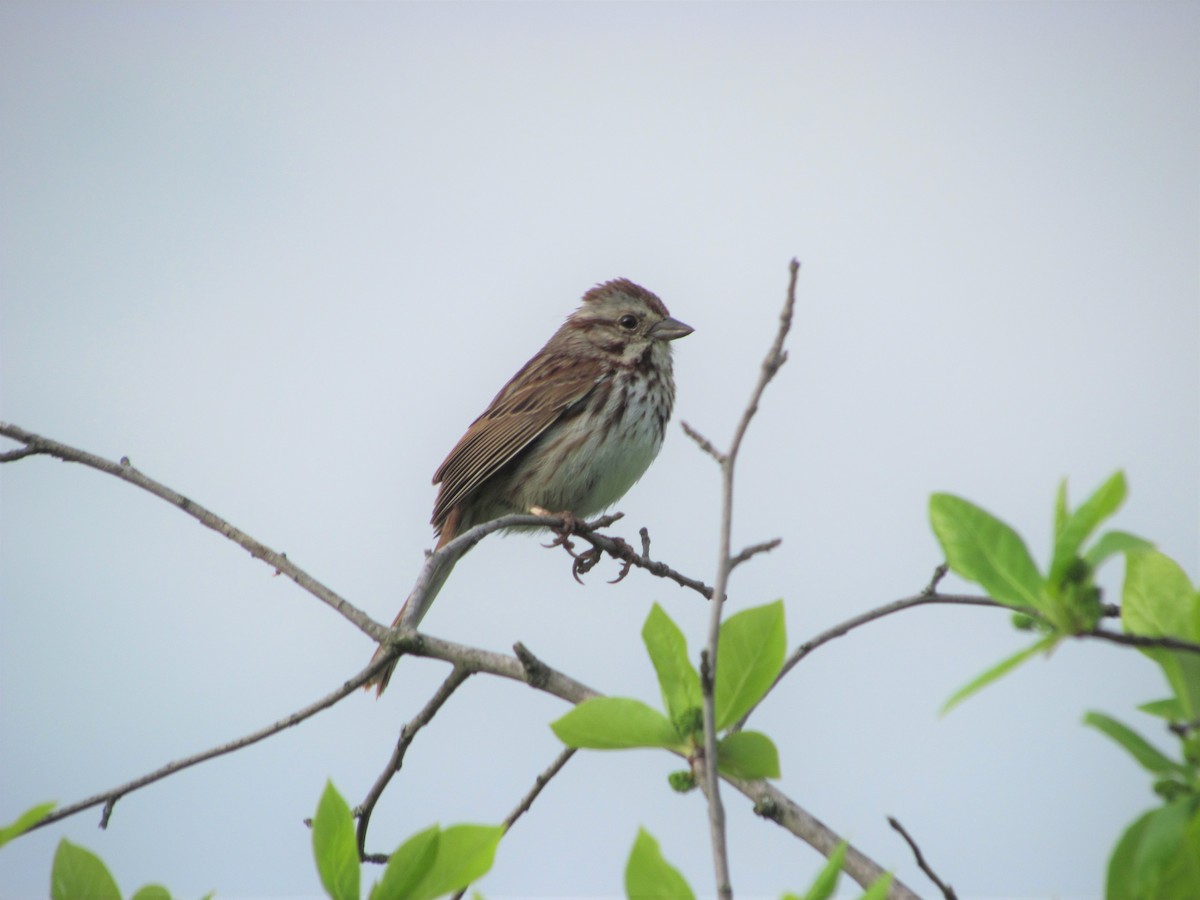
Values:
[(411, 613)]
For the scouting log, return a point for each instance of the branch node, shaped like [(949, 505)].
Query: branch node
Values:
[(537, 673), (767, 808), (938, 574)]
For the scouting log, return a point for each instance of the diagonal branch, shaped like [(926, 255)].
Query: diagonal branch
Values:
[(37, 445), (947, 890), (527, 801), (110, 797), (408, 733)]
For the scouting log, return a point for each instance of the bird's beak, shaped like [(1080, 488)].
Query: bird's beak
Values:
[(670, 329)]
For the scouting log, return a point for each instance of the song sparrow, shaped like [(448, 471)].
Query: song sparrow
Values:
[(572, 430)]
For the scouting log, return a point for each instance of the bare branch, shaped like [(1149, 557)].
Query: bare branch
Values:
[(36, 444), (771, 803), (1139, 640), (716, 811), (527, 801), (754, 550), (110, 797), (703, 443), (947, 891), (861, 619), (457, 676)]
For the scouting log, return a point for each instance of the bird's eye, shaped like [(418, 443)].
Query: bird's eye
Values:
[(628, 322)]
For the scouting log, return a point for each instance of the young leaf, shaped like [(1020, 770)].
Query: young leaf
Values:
[(879, 887), (464, 854), (335, 847), (1113, 542), (1157, 600), (77, 872), (981, 548), (677, 677), (615, 723), (826, 881), (650, 877), (152, 892), (1149, 756), (999, 670), (748, 754), (1080, 524), (25, 821), (408, 865), (1158, 857), (1168, 709), (750, 650)]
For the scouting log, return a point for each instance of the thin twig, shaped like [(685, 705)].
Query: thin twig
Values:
[(716, 811), (527, 801), (754, 550), (703, 443), (110, 797), (861, 619), (947, 891), (457, 676), (1140, 640)]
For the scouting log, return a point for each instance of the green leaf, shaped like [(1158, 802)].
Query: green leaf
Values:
[(408, 865), (1080, 524), (1149, 756), (615, 723), (650, 877), (77, 872), (1158, 600), (879, 887), (981, 548), (335, 847), (1113, 542), (999, 670), (1168, 709), (826, 881), (748, 754), (1158, 857), (750, 650), (464, 854), (677, 677), (152, 892), (25, 821)]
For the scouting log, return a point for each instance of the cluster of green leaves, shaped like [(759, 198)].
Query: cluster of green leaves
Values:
[(431, 863), (648, 875), (750, 651), (1062, 602), (1158, 856)]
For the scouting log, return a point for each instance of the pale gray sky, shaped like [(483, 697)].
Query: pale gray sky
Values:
[(280, 255)]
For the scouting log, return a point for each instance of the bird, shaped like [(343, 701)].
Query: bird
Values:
[(570, 432)]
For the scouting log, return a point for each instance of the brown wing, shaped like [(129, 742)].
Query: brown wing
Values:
[(534, 400)]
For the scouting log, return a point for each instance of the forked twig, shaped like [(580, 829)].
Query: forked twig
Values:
[(457, 676), (708, 659)]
